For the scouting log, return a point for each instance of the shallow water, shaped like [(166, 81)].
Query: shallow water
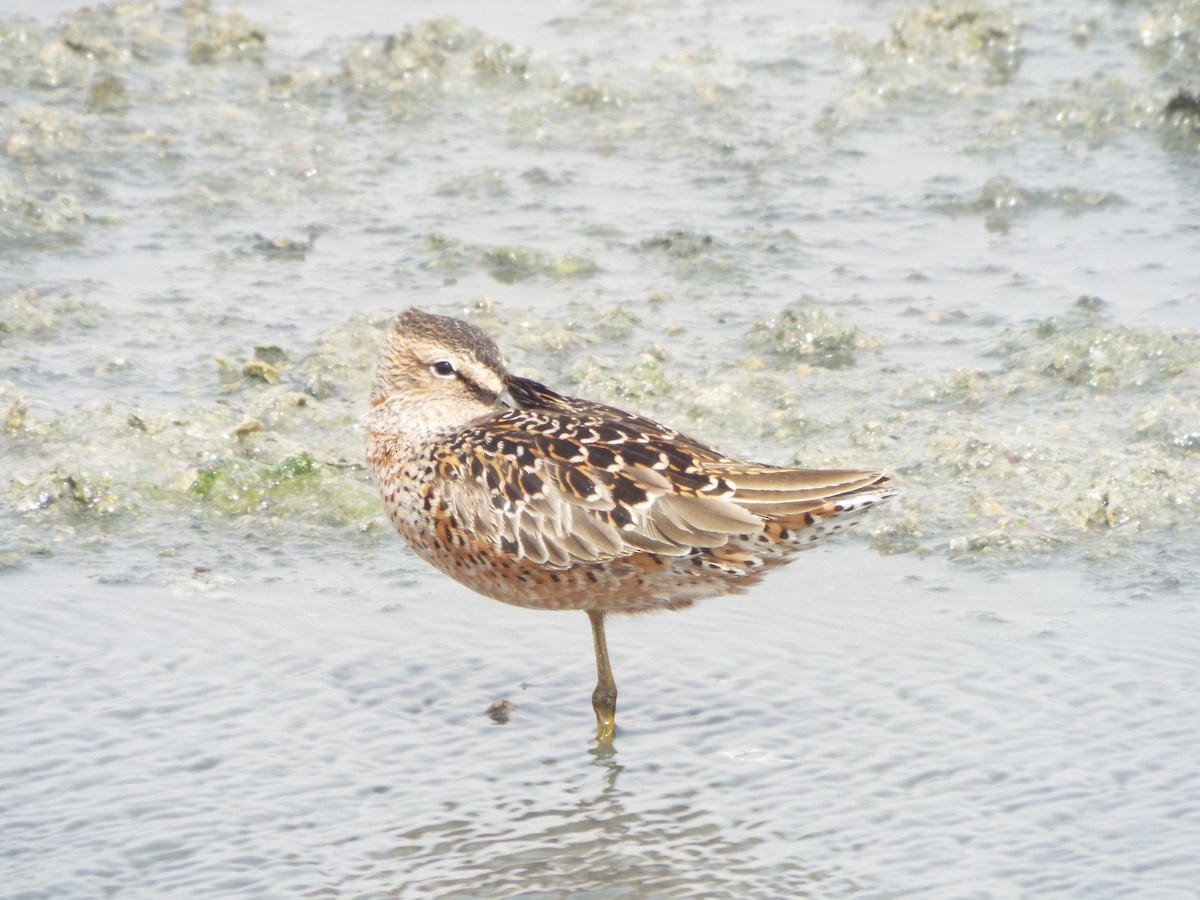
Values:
[(288, 737), (955, 242)]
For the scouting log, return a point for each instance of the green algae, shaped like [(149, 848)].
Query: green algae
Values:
[(41, 220), (1108, 357), (1097, 111), (616, 324), (810, 332), (17, 417), (412, 70), (691, 254), (644, 383), (1095, 470), (1106, 465), (220, 37), (297, 485), (509, 265), (120, 34), (506, 264), (945, 49), (1001, 200), (146, 473), (723, 404), (677, 244), (1078, 439), (258, 450), (283, 247), (341, 364), (44, 316), (486, 183), (206, 480), (293, 467), (1168, 35)]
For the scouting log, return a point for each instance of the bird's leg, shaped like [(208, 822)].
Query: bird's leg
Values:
[(604, 698)]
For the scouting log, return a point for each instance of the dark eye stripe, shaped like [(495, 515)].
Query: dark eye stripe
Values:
[(484, 395)]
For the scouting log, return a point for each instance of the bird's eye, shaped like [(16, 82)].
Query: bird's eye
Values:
[(443, 368)]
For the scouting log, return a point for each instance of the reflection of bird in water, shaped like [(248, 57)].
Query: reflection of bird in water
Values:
[(551, 502)]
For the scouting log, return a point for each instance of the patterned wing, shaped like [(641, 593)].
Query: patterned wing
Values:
[(560, 489), (532, 395), (800, 496)]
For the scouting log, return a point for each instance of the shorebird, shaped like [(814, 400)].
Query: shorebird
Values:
[(551, 502)]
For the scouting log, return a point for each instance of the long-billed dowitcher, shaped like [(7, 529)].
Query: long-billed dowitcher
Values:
[(551, 502)]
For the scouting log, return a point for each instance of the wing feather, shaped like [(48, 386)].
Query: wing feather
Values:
[(575, 482)]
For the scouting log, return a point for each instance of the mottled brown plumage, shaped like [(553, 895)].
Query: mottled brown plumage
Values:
[(551, 502)]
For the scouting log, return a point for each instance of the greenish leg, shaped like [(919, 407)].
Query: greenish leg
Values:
[(604, 698)]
